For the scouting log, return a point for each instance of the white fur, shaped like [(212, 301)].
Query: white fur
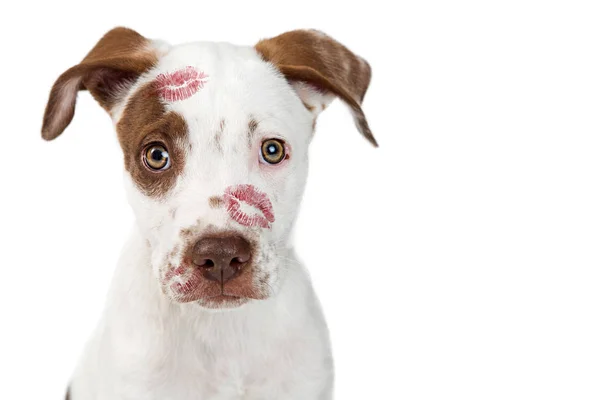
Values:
[(149, 346)]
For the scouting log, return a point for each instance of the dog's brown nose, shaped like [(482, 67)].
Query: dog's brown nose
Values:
[(221, 258)]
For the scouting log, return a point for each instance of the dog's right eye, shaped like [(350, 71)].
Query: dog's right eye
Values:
[(156, 157)]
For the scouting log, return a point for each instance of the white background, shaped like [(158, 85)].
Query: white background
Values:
[(460, 260)]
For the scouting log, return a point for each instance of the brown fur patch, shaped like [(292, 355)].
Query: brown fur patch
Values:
[(144, 121), (215, 201), (308, 106), (313, 57), (114, 64)]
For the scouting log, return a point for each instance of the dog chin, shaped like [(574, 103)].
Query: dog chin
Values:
[(215, 302), (222, 303)]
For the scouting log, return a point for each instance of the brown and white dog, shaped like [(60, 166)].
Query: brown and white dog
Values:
[(208, 299)]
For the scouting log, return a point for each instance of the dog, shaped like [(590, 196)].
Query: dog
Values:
[(208, 300)]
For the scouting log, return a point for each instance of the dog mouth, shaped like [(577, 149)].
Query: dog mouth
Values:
[(186, 283), (249, 206), (223, 297), (222, 301)]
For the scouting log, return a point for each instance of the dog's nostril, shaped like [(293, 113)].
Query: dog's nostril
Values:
[(206, 264), (238, 262)]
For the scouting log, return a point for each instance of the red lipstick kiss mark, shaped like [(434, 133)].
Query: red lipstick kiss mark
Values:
[(235, 196), (181, 84), (181, 280)]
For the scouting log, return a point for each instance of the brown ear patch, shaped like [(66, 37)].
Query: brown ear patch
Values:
[(315, 58), (144, 122), (116, 61), (107, 71)]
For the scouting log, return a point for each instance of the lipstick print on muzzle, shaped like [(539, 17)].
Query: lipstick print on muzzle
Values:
[(249, 206)]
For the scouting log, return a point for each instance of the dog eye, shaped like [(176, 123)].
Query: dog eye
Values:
[(273, 151), (156, 157)]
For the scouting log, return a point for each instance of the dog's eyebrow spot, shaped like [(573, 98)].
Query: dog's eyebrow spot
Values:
[(219, 134), (215, 201), (252, 125)]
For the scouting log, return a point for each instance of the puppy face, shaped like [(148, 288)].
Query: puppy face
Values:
[(230, 137), (215, 140)]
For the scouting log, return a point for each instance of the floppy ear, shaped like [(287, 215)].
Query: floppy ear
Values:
[(108, 71), (320, 68)]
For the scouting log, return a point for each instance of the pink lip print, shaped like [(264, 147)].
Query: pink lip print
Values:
[(181, 84), (236, 196)]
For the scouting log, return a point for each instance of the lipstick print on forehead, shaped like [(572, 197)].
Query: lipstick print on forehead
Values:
[(181, 84), (249, 206)]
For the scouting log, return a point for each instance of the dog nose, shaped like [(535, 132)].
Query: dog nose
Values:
[(221, 258)]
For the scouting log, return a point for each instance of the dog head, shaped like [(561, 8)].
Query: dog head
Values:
[(215, 141)]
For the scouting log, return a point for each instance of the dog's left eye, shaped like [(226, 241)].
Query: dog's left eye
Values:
[(273, 151), (156, 157)]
